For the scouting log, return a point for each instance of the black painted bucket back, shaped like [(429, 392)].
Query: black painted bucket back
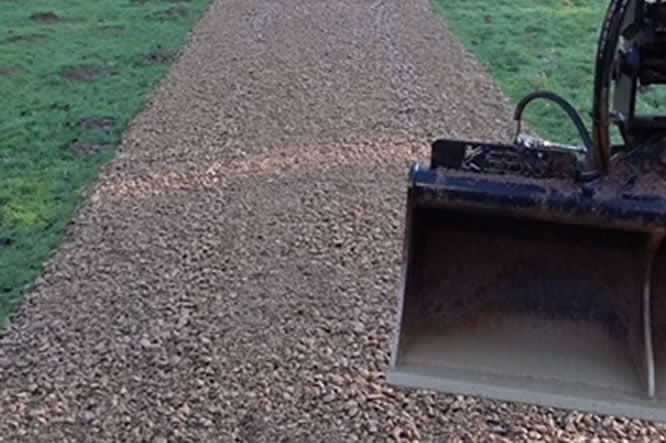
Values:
[(530, 287)]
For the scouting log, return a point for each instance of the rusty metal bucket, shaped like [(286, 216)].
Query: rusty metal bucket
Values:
[(534, 290)]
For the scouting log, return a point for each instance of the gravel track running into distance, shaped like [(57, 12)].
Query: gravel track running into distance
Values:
[(232, 276)]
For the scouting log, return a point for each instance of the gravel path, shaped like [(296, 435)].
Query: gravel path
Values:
[(231, 277)]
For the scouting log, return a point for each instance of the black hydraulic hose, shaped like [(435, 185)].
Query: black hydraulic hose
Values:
[(592, 162)]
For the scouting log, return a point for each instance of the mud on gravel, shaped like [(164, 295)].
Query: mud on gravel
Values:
[(232, 276)]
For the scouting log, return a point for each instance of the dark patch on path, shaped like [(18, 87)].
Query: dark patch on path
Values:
[(5, 242), (112, 29), (84, 73), (8, 71), (157, 57), (47, 17), (171, 14), (80, 148), (104, 124), (27, 38)]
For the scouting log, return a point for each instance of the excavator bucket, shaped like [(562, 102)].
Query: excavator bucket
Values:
[(522, 285)]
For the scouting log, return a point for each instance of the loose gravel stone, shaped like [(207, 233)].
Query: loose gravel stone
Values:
[(232, 275)]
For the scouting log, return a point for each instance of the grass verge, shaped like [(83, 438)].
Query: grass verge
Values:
[(529, 45), (73, 73)]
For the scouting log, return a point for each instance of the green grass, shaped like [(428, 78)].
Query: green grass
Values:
[(530, 45), (41, 180)]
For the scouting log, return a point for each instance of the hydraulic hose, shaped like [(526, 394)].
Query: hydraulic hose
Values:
[(592, 167)]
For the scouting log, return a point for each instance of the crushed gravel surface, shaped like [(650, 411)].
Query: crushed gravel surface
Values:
[(232, 276)]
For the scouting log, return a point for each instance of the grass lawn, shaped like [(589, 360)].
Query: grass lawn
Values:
[(73, 73), (534, 44)]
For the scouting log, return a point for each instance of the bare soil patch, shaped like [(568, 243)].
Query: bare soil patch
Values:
[(24, 38), (104, 124), (9, 71), (46, 17), (84, 73), (50, 18), (112, 29), (158, 57), (81, 148), (175, 13)]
